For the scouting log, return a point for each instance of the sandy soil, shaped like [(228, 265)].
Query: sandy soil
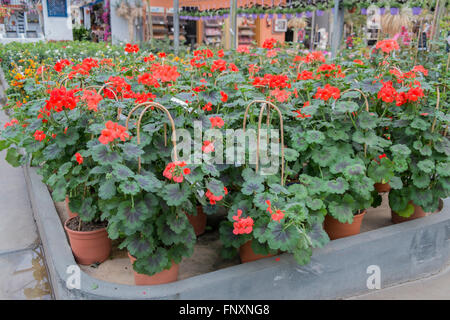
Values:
[(206, 257)]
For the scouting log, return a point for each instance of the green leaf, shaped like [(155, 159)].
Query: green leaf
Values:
[(129, 187), (363, 186), (4, 144), (131, 151), (343, 210), (277, 188), (59, 191), (67, 139), (154, 263), (338, 186), (281, 237), (314, 204), (122, 172), (426, 166), (346, 106), (216, 187), (132, 216), (290, 154), (88, 210), (325, 156), (139, 246), (407, 212), (249, 188), (107, 189), (443, 169), (421, 180), (298, 190), (367, 120), (318, 236), (314, 136), (148, 181), (210, 169), (64, 169), (420, 124), (396, 183), (13, 157), (177, 221), (175, 195), (400, 150), (103, 155)]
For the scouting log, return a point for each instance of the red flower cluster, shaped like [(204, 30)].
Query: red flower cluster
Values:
[(165, 73), (120, 86), (219, 64), (327, 92), (39, 135), (79, 158), (315, 56), (278, 215), (143, 97), (83, 68), (149, 80), (269, 43), (299, 111), (61, 64), (131, 48), (11, 123), (60, 99), (387, 45), (208, 146), (280, 95), (216, 122), (224, 96), (330, 70), (213, 198), (243, 49), (305, 75), (113, 131), (175, 171), (92, 99), (242, 225), (273, 81), (388, 94), (207, 107)]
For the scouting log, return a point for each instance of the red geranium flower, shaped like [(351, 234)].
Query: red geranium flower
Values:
[(79, 158), (224, 96), (242, 225), (39, 135)]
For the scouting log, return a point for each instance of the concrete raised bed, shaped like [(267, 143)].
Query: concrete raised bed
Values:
[(403, 252)]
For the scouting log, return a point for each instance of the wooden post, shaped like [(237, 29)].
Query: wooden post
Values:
[(338, 28), (176, 26), (150, 22), (233, 23)]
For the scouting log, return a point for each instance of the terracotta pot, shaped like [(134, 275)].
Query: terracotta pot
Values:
[(165, 276), (247, 254), (418, 213), (198, 221), (89, 247), (336, 229), (382, 187), (71, 214)]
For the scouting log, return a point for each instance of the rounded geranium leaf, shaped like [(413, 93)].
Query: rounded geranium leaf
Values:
[(281, 237), (426, 166), (107, 189), (122, 172), (338, 186), (314, 136), (174, 194), (249, 188), (342, 210), (129, 187)]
